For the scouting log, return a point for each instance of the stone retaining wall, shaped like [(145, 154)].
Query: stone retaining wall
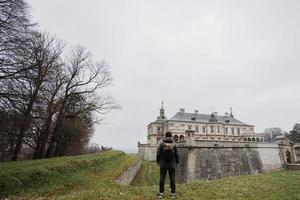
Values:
[(147, 151), (127, 177), (293, 166), (212, 159)]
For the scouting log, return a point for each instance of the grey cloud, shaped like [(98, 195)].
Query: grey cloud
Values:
[(192, 54)]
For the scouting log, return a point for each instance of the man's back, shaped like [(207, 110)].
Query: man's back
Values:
[(167, 157), (163, 156)]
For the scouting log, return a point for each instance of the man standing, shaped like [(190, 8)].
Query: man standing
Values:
[(166, 157)]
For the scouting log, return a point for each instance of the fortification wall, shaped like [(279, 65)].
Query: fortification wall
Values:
[(217, 159), (297, 153), (204, 159), (270, 156), (147, 152)]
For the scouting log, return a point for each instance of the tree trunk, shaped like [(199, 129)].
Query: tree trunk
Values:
[(25, 124), (54, 138)]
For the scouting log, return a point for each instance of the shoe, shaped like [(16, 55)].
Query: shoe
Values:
[(173, 195), (160, 195)]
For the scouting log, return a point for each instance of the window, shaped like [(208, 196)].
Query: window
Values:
[(218, 129), (212, 129), (226, 130), (232, 131), (181, 138), (197, 128), (190, 127), (158, 129), (176, 138), (238, 131), (203, 129)]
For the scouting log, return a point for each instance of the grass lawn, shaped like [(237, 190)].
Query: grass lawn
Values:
[(92, 177)]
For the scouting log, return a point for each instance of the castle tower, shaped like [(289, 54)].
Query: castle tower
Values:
[(156, 129)]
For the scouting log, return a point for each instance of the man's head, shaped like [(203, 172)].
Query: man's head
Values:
[(168, 134)]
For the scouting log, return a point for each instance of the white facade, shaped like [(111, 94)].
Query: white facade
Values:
[(205, 127)]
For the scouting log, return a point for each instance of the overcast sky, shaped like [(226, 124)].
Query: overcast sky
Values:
[(205, 55)]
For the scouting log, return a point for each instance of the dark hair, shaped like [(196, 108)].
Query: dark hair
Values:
[(168, 134)]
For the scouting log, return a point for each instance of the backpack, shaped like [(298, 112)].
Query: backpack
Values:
[(168, 151)]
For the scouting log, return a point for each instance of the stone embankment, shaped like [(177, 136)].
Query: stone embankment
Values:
[(294, 166), (127, 177)]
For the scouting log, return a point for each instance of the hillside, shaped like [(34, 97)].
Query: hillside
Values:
[(59, 176), (92, 177)]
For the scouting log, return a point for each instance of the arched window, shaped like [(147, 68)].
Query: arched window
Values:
[(158, 129), (211, 129), (257, 139), (249, 139), (181, 138), (245, 139), (175, 138), (253, 139)]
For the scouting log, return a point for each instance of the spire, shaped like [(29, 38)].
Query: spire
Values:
[(231, 115), (162, 111)]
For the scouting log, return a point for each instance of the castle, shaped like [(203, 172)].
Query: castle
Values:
[(207, 127), (213, 146)]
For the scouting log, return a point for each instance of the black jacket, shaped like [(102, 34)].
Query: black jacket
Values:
[(160, 158)]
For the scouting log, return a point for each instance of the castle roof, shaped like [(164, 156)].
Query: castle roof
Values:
[(206, 118)]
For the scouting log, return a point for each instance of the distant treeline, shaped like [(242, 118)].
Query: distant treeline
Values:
[(49, 97)]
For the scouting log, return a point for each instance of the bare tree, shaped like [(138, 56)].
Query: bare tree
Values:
[(46, 103), (42, 55), (51, 98), (272, 133), (85, 78), (15, 30)]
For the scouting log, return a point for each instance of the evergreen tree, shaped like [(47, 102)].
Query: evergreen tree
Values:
[(295, 133)]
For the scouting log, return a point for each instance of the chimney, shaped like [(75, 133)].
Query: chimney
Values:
[(196, 111), (181, 110)]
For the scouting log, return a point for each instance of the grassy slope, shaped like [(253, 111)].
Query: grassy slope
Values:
[(148, 175), (62, 175), (87, 178)]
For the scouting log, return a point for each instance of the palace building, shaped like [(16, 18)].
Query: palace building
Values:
[(207, 127)]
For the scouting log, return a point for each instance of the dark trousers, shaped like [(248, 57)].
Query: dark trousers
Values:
[(163, 173)]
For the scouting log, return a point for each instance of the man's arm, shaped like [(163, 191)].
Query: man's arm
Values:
[(176, 155), (158, 154)]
